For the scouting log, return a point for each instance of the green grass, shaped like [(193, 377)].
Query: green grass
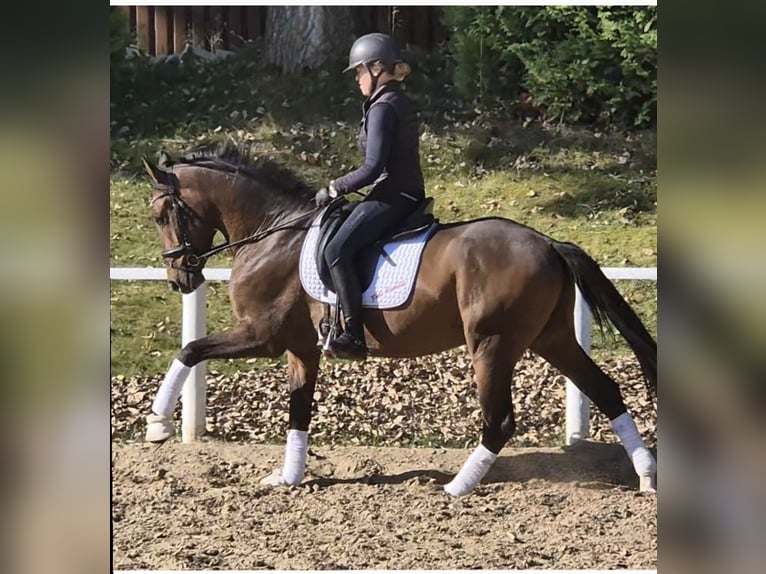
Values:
[(595, 189)]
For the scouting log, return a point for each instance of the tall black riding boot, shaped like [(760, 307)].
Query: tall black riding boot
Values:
[(350, 345)]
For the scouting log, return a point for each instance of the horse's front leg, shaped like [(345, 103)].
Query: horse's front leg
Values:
[(302, 372), (237, 342)]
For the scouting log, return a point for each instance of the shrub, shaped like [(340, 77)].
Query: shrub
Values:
[(120, 39), (584, 64)]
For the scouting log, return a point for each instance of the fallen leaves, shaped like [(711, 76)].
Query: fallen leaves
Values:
[(428, 401)]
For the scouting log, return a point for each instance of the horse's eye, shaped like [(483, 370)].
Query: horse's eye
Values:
[(162, 220)]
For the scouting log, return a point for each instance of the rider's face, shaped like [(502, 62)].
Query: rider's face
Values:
[(364, 80)]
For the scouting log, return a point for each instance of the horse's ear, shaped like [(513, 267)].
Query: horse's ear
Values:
[(158, 175), (164, 159)]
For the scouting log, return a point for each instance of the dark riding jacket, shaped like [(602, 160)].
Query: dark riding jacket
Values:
[(389, 140)]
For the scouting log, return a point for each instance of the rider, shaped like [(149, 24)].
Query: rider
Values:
[(389, 139)]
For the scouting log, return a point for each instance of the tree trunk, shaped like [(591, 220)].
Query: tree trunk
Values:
[(299, 37)]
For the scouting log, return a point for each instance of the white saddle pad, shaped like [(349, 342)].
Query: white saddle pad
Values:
[(394, 276)]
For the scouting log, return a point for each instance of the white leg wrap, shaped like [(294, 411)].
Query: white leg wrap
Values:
[(643, 461), (296, 449), (170, 389), (472, 472)]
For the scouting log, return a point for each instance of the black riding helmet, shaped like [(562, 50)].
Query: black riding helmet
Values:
[(372, 48)]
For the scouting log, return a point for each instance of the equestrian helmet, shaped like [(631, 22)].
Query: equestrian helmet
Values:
[(373, 48)]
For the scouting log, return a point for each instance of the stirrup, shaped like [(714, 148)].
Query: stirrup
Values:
[(346, 346), (159, 428)]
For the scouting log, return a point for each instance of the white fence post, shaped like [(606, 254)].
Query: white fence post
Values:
[(193, 397), (578, 405)]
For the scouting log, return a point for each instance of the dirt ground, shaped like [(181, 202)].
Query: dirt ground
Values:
[(200, 506)]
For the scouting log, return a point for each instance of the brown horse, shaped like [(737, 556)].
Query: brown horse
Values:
[(492, 284)]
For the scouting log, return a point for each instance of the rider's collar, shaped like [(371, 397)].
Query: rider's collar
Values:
[(379, 91)]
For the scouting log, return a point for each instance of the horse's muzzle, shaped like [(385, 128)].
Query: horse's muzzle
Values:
[(186, 282)]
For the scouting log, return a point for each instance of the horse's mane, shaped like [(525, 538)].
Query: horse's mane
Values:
[(237, 158)]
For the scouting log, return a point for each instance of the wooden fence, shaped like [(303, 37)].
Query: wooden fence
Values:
[(166, 29)]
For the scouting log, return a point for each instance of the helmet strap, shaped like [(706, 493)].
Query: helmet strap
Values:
[(374, 78)]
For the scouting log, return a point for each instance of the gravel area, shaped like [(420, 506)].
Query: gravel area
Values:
[(373, 497)]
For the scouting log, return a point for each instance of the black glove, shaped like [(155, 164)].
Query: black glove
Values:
[(322, 197)]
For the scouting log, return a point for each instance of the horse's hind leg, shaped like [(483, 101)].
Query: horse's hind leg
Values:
[(493, 364), (558, 344)]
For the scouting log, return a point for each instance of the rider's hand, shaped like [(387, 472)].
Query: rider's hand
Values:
[(326, 194), (322, 197)]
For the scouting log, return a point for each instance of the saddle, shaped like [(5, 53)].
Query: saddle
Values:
[(366, 261)]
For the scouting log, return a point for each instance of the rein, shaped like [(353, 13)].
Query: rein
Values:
[(256, 237), (194, 261)]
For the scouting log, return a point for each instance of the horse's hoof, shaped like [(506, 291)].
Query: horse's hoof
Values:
[(159, 428), (274, 479), (454, 490), (647, 484)]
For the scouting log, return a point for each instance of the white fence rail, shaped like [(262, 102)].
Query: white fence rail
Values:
[(193, 398)]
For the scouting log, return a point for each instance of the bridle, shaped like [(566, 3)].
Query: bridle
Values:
[(191, 261)]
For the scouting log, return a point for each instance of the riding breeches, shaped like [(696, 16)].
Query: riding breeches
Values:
[(366, 224)]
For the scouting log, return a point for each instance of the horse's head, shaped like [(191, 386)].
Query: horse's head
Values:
[(184, 232)]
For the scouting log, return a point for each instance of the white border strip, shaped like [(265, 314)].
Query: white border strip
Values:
[(223, 274), (160, 274)]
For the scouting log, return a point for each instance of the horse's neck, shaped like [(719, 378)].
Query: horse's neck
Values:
[(275, 230), (241, 212), (245, 225), (237, 218), (281, 249), (241, 217)]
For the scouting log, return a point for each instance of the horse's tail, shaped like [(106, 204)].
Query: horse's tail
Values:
[(606, 303)]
